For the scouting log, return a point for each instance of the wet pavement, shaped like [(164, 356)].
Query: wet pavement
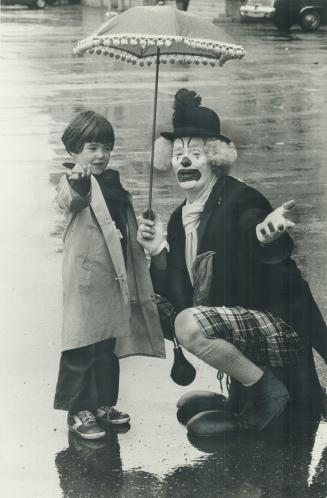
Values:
[(273, 104)]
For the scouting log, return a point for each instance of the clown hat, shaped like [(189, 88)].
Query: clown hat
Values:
[(190, 119)]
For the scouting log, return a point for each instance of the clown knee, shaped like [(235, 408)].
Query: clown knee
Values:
[(187, 330)]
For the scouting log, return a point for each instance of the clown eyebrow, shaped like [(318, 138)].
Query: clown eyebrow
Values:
[(180, 145)]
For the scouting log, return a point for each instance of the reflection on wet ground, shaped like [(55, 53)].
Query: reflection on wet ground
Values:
[(90, 468), (273, 105), (273, 464)]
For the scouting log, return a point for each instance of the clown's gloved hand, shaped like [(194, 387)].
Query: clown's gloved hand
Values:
[(275, 224), (152, 235)]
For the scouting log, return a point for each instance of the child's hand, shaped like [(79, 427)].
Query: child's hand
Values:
[(151, 234), (77, 176), (275, 224)]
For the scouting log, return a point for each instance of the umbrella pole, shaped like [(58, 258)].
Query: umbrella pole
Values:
[(150, 213)]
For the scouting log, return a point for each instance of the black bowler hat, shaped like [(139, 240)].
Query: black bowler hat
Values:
[(190, 119)]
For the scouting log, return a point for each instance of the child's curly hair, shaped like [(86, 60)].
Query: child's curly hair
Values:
[(220, 153)]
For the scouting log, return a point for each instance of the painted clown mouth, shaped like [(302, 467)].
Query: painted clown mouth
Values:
[(188, 175)]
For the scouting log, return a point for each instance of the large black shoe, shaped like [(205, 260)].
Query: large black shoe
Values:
[(213, 423), (265, 401), (194, 402)]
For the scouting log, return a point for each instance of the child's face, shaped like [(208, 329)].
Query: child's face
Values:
[(96, 155)]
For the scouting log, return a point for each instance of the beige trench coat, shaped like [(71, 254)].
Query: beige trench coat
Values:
[(101, 297)]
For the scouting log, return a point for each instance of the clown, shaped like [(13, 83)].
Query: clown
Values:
[(225, 272)]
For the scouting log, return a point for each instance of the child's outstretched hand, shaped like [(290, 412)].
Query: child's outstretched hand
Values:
[(276, 223), (151, 234), (83, 173)]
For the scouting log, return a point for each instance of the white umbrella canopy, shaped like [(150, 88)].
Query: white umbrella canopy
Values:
[(160, 35), (135, 35)]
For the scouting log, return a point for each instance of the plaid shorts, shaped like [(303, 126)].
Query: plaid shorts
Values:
[(262, 337)]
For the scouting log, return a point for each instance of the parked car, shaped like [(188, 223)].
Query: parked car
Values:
[(32, 4), (309, 14)]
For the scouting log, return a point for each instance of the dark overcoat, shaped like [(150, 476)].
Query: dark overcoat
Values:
[(246, 273)]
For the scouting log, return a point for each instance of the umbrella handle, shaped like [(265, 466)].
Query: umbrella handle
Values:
[(154, 130), (148, 214)]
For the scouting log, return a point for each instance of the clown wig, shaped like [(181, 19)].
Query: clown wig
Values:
[(220, 153)]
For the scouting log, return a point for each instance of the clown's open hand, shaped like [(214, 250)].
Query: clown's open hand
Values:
[(151, 234), (276, 223)]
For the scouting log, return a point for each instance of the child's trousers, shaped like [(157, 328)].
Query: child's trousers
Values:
[(88, 378)]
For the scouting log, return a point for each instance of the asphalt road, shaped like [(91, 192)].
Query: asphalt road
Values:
[(273, 104)]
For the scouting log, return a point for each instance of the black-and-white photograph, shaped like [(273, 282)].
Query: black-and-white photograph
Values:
[(163, 241)]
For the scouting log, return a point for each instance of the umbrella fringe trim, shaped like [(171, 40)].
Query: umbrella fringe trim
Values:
[(217, 50), (164, 59)]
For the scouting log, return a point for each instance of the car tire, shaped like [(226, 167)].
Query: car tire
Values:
[(310, 20), (38, 4)]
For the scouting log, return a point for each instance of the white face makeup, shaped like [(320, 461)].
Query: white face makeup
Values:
[(190, 164)]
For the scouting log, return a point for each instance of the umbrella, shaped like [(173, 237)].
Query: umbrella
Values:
[(161, 35)]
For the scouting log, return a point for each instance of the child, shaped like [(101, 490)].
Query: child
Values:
[(103, 266)]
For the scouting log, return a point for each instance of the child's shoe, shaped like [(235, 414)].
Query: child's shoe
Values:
[(111, 416), (84, 424)]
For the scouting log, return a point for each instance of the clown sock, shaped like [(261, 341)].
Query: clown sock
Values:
[(217, 353), (226, 358)]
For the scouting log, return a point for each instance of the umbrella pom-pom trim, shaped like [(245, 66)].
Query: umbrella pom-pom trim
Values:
[(214, 52), (213, 48)]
